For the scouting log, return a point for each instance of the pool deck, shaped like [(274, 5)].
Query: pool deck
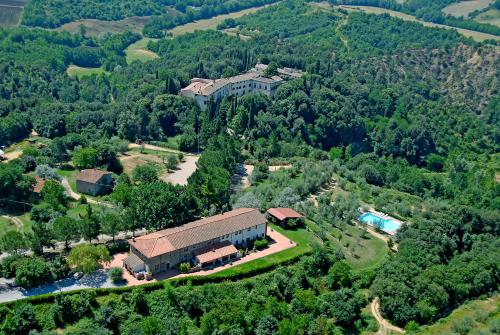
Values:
[(382, 216)]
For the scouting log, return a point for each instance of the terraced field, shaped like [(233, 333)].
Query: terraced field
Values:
[(10, 12)]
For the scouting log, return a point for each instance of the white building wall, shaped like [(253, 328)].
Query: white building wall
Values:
[(240, 237)]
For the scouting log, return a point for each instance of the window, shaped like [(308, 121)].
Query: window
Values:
[(249, 229)]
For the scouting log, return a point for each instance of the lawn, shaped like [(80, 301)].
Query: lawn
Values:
[(81, 72), (70, 175), (362, 251), (6, 225), (483, 316), (138, 51)]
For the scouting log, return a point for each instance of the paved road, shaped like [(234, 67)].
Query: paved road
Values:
[(98, 279)]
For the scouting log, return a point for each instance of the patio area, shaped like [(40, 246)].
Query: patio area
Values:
[(278, 243)]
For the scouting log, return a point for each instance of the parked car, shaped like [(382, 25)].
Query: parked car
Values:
[(77, 275), (139, 275)]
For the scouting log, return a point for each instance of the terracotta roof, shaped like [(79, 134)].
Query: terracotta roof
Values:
[(91, 175), (215, 252), (284, 213), (203, 230), (40, 183)]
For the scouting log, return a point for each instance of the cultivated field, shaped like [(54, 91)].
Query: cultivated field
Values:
[(211, 23), (139, 51), (80, 72), (95, 27), (491, 16), (10, 12), (464, 8), (475, 35)]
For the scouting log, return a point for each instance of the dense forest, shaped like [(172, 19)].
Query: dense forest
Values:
[(386, 107)]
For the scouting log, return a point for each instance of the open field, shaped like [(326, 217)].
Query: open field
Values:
[(211, 23), (179, 176), (464, 8), (481, 315), (81, 72), (475, 35), (95, 27), (10, 12), (362, 250), (491, 16), (139, 51)]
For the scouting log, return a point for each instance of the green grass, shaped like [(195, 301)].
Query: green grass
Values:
[(6, 225), (80, 72), (76, 209), (70, 175), (361, 252), (480, 315), (138, 51)]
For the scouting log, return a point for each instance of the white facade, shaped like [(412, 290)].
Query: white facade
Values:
[(202, 90)]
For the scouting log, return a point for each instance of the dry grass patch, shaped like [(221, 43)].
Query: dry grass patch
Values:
[(133, 159), (464, 8), (139, 51), (95, 27), (212, 22), (491, 16)]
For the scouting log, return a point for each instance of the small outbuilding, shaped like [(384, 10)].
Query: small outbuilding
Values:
[(285, 217), (94, 182)]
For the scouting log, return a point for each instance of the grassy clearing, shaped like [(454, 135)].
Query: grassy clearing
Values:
[(96, 27), (362, 250), (482, 316), (6, 225), (138, 51), (10, 16), (464, 8), (81, 72), (475, 35), (491, 16), (211, 23)]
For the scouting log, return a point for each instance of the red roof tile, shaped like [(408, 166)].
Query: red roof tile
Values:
[(171, 239), (284, 213)]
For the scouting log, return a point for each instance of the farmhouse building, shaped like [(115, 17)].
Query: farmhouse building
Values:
[(205, 242), (204, 90), (94, 182)]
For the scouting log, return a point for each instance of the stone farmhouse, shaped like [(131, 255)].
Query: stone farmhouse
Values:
[(203, 90), (94, 182), (206, 242)]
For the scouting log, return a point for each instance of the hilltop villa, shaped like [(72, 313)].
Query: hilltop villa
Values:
[(209, 241), (202, 90)]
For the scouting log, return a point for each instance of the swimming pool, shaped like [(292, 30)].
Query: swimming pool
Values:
[(389, 226)]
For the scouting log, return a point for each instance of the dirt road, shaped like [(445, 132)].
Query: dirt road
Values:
[(385, 327)]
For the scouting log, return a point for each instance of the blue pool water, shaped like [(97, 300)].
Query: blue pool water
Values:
[(389, 226)]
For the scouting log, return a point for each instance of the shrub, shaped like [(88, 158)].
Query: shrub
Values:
[(184, 267), (260, 244), (116, 275), (32, 272), (171, 162), (46, 172)]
